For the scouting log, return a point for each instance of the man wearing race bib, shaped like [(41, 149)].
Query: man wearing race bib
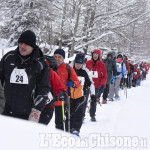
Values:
[(24, 75), (99, 73)]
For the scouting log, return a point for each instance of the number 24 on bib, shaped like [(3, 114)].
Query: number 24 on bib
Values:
[(19, 76)]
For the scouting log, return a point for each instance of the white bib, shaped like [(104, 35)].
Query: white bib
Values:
[(19, 76), (118, 65), (135, 73), (94, 74), (81, 80)]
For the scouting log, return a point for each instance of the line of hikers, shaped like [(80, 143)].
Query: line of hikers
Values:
[(36, 85)]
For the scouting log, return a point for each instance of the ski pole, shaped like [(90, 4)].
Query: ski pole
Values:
[(69, 109), (98, 101), (63, 115)]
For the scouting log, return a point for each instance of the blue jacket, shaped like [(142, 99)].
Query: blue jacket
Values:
[(121, 69)]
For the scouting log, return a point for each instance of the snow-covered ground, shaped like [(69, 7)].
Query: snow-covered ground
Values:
[(123, 124)]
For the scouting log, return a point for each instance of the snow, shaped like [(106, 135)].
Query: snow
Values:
[(3, 51)]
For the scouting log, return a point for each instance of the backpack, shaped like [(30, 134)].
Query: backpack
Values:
[(52, 62), (68, 70)]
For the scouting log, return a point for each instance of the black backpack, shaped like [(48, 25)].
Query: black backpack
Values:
[(52, 62)]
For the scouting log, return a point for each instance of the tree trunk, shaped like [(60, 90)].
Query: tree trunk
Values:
[(62, 24)]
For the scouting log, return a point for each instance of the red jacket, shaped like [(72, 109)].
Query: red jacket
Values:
[(99, 67), (55, 82), (63, 74), (136, 72), (127, 64)]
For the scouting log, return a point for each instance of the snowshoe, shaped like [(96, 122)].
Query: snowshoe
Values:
[(117, 97), (111, 100), (75, 132), (104, 101), (93, 119)]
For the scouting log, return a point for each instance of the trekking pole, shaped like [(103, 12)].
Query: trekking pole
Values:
[(125, 88), (126, 93), (69, 109), (63, 115), (98, 101)]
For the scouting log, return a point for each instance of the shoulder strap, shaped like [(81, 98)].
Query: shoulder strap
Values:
[(68, 70)]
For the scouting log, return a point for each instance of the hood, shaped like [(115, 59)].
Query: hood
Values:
[(120, 55), (110, 53), (98, 52)]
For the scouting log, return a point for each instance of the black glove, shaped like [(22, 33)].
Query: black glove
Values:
[(101, 90), (62, 96), (93, 98)]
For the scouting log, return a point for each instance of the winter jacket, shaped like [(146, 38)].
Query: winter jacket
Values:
[(55, 82), (127, 65), (145, 69), (33, 93), (136, 74), (110, 67), (85, 81), (99, 68), (63, 74), (121, 69), (131, 68), (2, 99)]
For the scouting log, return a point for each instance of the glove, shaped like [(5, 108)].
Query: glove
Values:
[(93, 98), (113, 79), (50, 98), (70, 83), (34, 115), (125, 76), (62, 95), (101, 90)]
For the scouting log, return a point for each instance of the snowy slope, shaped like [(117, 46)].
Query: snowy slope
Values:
[(119, 121)]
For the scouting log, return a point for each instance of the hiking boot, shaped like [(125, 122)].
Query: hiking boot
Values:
[(75, 132), (104, 101), (111, 100), (117, 97), (93, 119)]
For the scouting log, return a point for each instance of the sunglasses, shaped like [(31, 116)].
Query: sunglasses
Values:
[(95, 54)]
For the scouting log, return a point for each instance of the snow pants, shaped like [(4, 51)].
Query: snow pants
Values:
[(94, 102), (114, 88), (106, 92)]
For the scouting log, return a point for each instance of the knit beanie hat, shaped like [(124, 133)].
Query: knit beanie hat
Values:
[(79, 58), (60, 52), (28, 37)]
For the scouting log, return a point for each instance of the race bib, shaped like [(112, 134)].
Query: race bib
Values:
[(19, 76), (135, 73), (118, 65), (94, 74), (81, 80)]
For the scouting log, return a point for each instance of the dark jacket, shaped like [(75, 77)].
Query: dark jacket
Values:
[(2, 99), (110, 67), (131, 68), (81, 90), (21, 98)]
